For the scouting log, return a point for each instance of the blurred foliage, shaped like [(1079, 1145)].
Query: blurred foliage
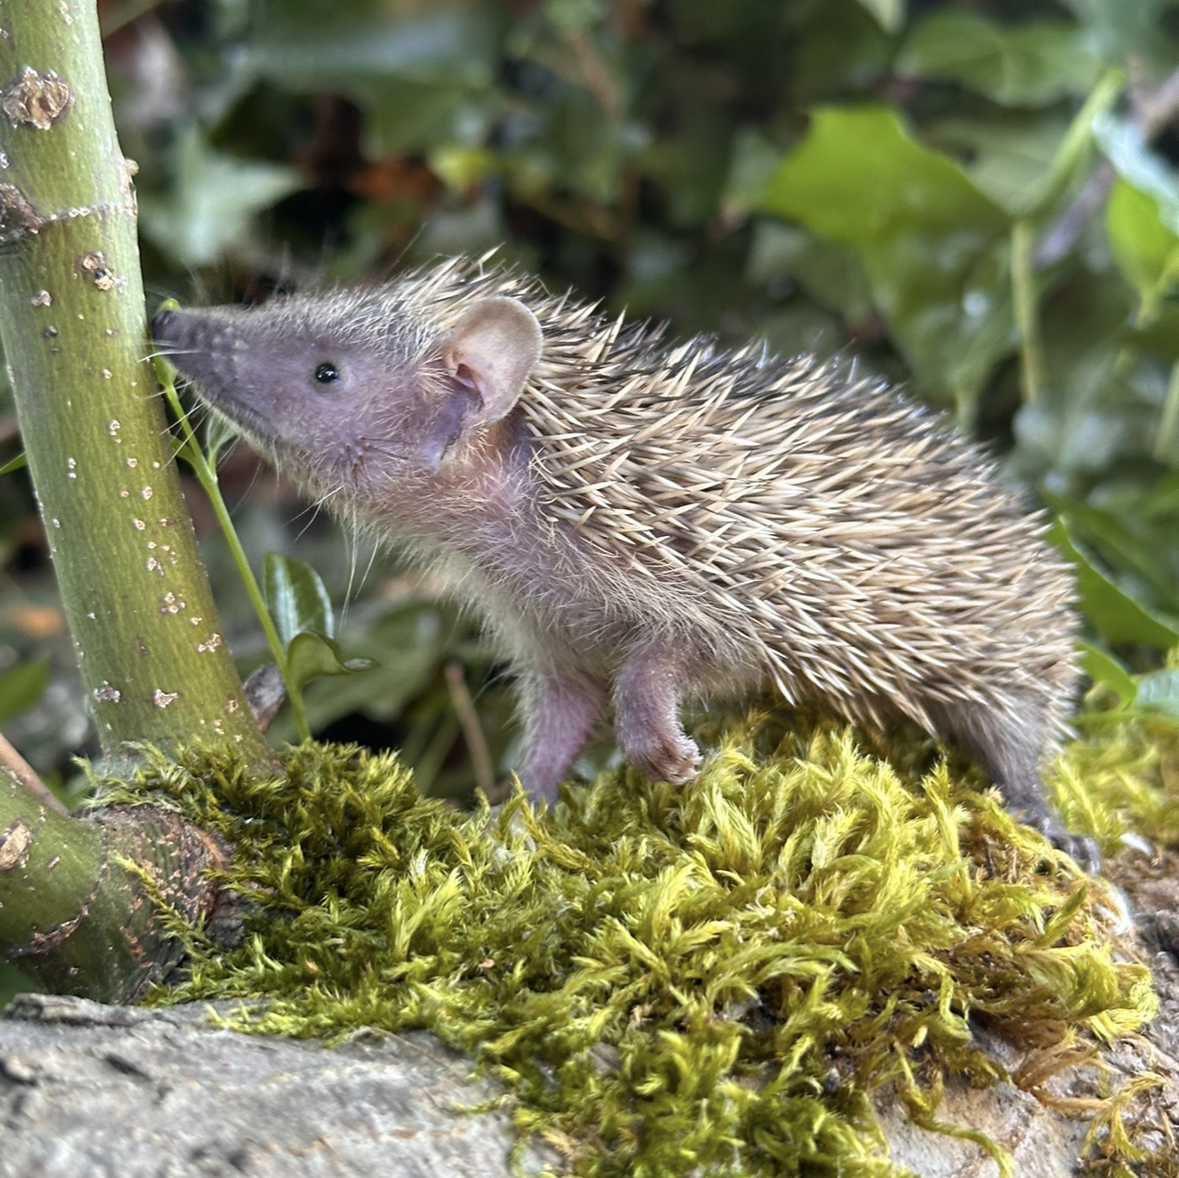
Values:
[(977, 198)]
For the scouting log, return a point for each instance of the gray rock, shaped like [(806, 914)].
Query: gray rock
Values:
[(92, 1091)]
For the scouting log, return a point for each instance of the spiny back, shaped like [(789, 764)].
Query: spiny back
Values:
[(862, 539)]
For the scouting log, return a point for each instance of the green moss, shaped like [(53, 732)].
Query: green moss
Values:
[(1124, 782), (668, 978)]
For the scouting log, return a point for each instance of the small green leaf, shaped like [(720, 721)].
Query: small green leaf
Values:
[(17, 463), (219, 433), (310, 656), (414, 641), (297, 599), (1102, 667), (1116, 615), (21, 687), (1158, 691)]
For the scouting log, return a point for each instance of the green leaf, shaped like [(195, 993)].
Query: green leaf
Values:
[(1140, 166), (889, 14), (297, 599), (935, 248), (1113, 613), (1032, 63), (1121, 542), (1161, 501), (1158, 691), (21, 687), (14, 464), (832, 275), (415, 640), (1007, 161), (1102, 667), (423, 73), (310, 656), (896, 186), (1146, 250), (1124, 29), (213, 201)]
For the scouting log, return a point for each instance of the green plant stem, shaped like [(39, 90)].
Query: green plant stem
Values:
[(150, 650), (1166, 443), (1024, 297), (1076, 139), (206, 473)]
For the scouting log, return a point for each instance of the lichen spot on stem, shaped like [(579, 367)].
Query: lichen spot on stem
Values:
[(36, 100), (93, 265), (14, 845), (171, 604), (17, 215)]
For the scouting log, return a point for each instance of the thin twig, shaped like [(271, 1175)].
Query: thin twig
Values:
[(1066, 230), (26, 776), (1153, 111), (472, 732), (1023, 285)]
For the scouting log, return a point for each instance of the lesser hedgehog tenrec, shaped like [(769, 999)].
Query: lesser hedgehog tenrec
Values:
[(642, 524)]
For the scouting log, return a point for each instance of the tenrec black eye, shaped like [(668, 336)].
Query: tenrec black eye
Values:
[(327, 373)]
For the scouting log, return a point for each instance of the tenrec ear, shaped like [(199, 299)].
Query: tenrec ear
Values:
[(492, 351)]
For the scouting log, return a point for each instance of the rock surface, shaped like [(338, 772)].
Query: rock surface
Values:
[(92, 1091)]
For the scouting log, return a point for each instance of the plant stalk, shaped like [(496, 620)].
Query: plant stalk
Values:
[(150, 648)]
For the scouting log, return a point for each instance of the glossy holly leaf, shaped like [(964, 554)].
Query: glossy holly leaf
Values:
[(297, 599), (21, 686), (1032, 63), (310, 656)]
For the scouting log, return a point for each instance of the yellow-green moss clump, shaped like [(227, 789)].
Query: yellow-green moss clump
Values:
[(669, 980)]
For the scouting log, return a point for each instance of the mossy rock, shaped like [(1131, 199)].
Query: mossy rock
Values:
[(719, 978)]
